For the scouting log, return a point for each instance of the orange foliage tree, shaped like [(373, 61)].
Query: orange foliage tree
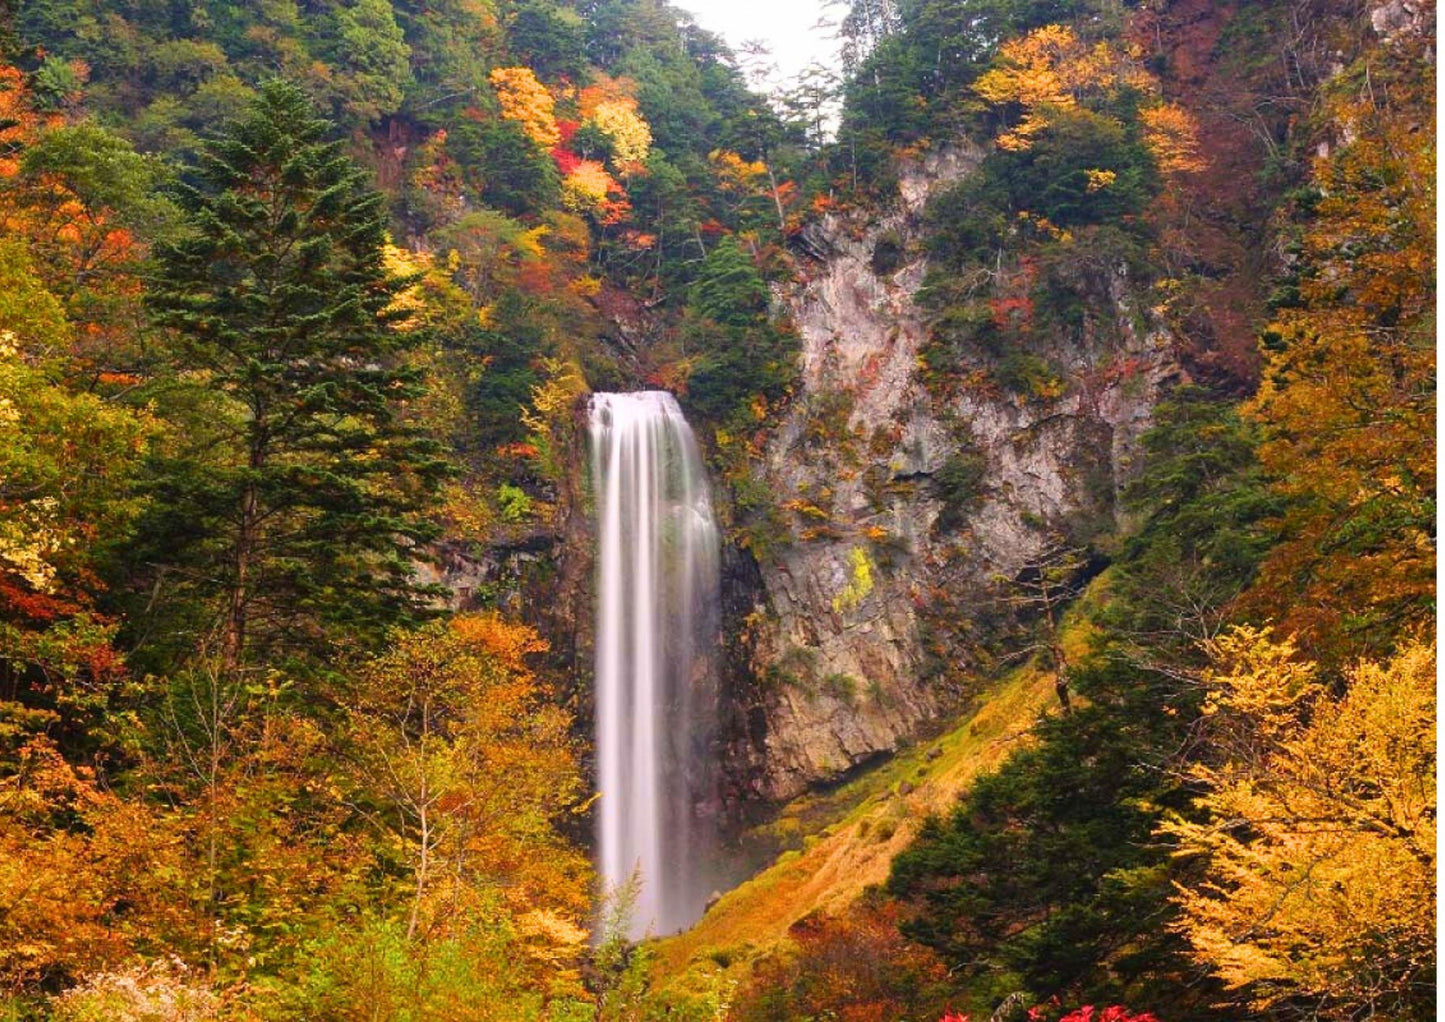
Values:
[(20, 122), (73, 193), (855, 967), (460, 759), (1347, 402), (86, 878), (526, 100)]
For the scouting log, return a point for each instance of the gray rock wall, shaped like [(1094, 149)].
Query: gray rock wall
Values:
[(843, 636)]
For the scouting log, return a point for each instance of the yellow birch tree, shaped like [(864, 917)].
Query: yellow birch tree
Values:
[(1318, 832)]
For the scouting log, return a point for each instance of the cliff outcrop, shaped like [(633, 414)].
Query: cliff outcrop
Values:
[(863, 627)]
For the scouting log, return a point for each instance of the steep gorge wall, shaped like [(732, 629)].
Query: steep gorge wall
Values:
[(858, 632)]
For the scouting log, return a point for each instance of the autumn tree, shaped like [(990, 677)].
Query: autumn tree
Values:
[(609, 106), (20, 119), (90, 203), (461, 762), (80, 194), (854, 966), (68, 463), (78, 864), (80, 199), (1051, 71), (589, 188), (526, 101), (1347, 401), (295, 506), (1318, 842), (86, 877)]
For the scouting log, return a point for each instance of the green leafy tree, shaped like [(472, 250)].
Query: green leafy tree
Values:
[(84, 199), (496, 394), (548, 38), (67, 462), (729, 290), (746, 355), (373, 60), (298, 506), (504, 168)]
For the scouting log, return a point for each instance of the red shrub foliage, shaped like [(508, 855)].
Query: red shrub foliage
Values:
[(855, 967)]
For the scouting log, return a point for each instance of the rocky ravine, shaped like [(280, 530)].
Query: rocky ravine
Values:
[(854, 632)]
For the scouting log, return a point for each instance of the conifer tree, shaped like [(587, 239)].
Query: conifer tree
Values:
[(296, 504)]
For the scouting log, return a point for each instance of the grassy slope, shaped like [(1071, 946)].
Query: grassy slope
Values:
[(872, 822)]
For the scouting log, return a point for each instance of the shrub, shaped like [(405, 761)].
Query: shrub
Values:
[(513, 503), (852, 966), (161, 991), (959, 485), (1029, 376)]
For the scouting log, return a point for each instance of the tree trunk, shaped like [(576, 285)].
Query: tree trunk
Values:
[(777, 201), (233, 646)]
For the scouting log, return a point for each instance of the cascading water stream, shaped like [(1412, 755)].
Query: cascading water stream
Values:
[(657, 629)]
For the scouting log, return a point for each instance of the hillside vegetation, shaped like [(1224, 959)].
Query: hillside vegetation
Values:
[(849, 842), (297, 298)]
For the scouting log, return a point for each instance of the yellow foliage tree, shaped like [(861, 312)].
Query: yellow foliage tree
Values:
[(549, 421), (736, 174), (631, 136), (411, 303), (526, 101), (473, 768), (488, 253), (1051, 68), (1172, 135), (587, 187), (1318, 836)]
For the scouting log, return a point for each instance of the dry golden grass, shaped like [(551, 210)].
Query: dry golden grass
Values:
[(834, 867)]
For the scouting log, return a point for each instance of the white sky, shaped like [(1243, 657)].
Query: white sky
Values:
[(787, 27)]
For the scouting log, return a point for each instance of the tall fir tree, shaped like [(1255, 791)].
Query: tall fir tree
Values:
[(296, 506)]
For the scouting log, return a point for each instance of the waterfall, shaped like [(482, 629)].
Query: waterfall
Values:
[(657, 635)]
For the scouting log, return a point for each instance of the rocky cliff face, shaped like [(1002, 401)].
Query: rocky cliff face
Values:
[(540, 571), (857, 633)]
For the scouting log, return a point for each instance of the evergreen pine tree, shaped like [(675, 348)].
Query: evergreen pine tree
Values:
[(295, 510)]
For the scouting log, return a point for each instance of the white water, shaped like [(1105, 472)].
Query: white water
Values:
[(657, 599)]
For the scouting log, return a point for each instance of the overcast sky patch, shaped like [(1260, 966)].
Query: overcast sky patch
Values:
[(795, 31)]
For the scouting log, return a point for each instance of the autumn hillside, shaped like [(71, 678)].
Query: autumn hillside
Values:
[(1064, 375)]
